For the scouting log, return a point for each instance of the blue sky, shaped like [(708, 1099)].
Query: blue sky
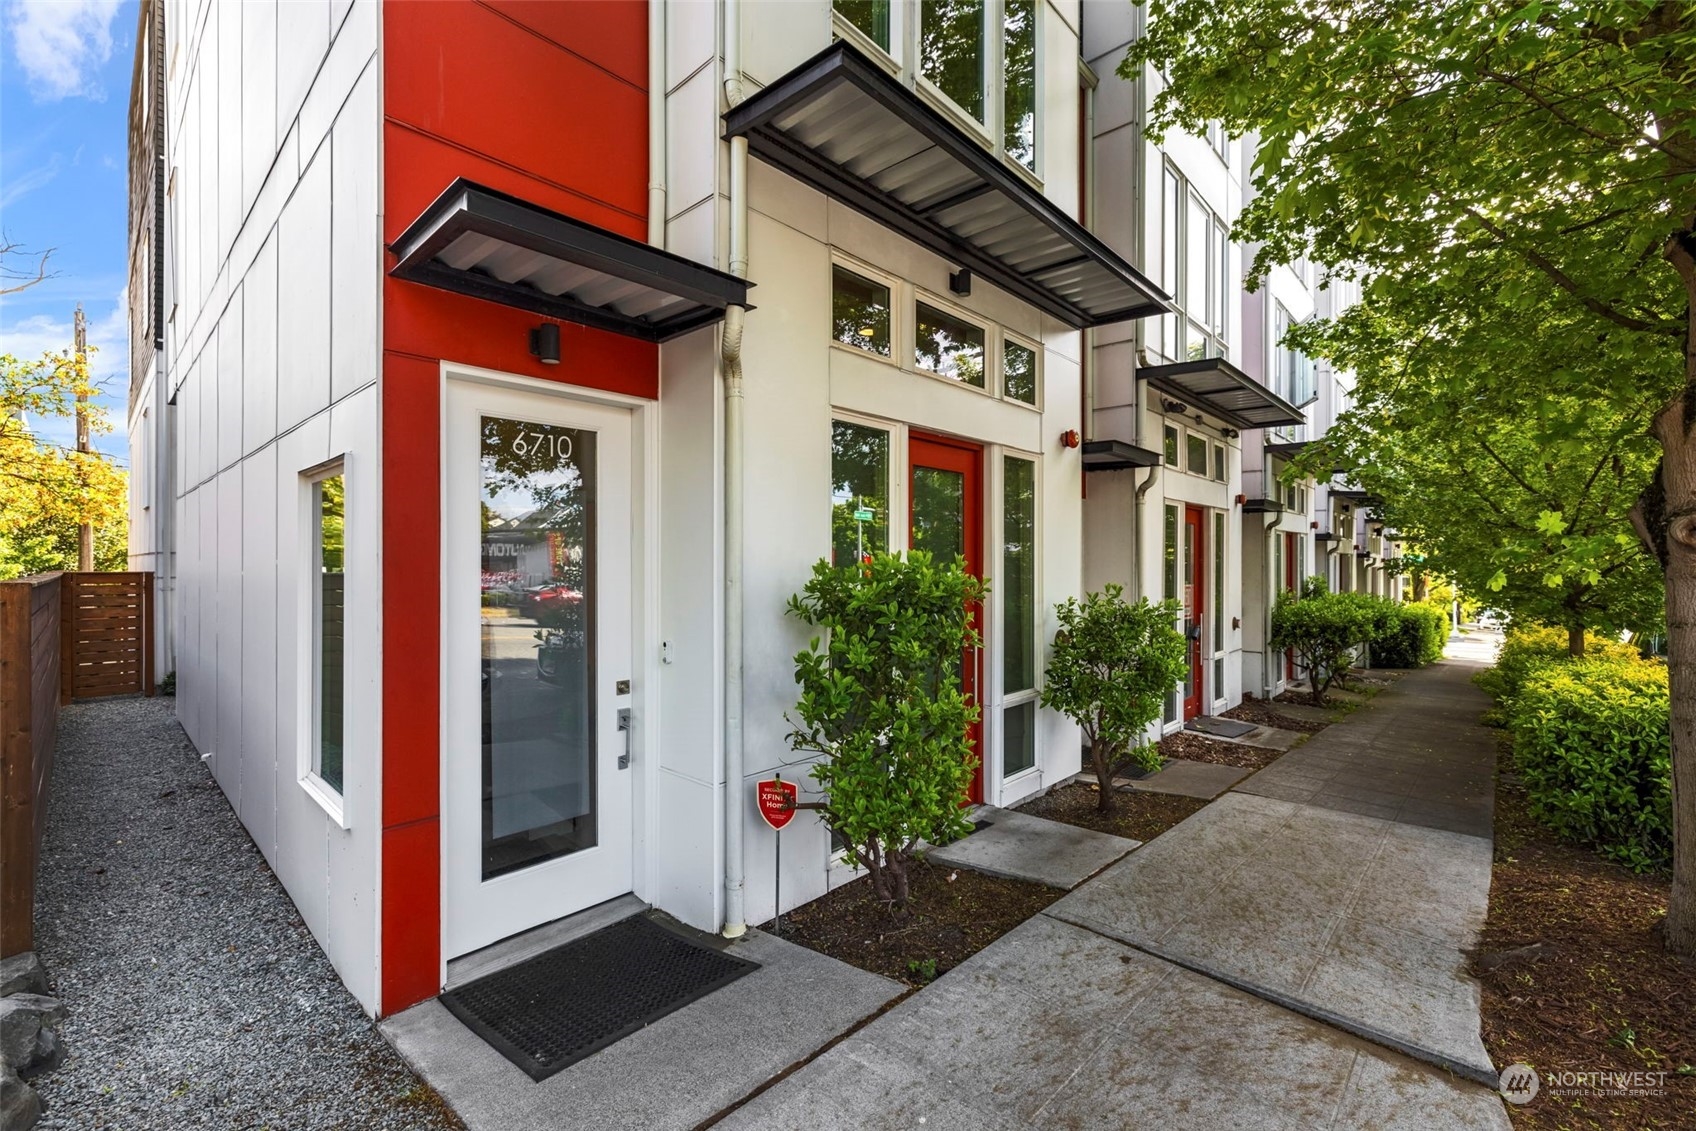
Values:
[(64, 102)]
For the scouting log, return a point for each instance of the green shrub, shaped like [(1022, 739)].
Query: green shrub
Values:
[(881, 702), (1527, 647), (1324, 630), (1414, 636), (1591, 742), (1112, 667)]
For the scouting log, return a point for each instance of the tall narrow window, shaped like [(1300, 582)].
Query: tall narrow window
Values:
[(1219, 462), (871, 17), (1018, 371), (1169, 588), (1221, 281), (1019, 100), (1218, 605), (329, 558), (1018, 594), (859, 492), (948, 346), (951, 51), (1171, 446), (859, 312)]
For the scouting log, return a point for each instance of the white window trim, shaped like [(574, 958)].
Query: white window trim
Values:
[(1001, 368), (842, 29), (996, 782), (306, 632), (991, 133), (897, 304), (897, 479), (991, 345)]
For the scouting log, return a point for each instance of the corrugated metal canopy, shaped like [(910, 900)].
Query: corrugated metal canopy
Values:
[(1116, 455), (1217, 387), (476, 241), (845, 126)]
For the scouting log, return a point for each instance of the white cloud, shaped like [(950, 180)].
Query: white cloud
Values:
[(62, 44)]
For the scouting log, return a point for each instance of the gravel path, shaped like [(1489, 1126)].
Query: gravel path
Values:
[(197, 998)]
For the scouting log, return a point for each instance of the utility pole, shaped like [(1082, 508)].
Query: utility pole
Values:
[(85, 532)]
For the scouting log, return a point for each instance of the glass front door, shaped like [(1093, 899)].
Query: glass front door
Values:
[(946, 501), (536, 641)]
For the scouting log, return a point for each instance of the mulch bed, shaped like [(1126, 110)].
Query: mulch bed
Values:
[(1575, 978), (1139, 816), (955, 913), (1193, 747), (1252, 710)]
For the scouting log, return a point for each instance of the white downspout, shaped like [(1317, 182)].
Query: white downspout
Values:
[(731, 349), (656, 123)]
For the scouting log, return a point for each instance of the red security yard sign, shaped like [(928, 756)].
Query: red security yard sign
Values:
[(776, 799)]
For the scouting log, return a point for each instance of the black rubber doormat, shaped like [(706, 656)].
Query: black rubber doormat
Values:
[(1224, 728), (548, 1012)]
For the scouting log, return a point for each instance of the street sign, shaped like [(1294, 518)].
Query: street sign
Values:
[(864, 514), (776, 799)]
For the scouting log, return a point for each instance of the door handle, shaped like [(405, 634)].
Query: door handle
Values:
[(624, 727)]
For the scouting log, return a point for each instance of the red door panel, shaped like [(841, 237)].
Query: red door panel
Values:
[(945, 518), (1194, 605)]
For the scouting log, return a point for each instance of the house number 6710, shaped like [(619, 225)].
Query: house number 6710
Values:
[(542, 443)]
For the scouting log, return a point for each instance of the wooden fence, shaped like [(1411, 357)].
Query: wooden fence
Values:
[(63, 636), (106, 635)]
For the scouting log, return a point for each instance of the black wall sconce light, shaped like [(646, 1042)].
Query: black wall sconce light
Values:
[(960, 282), (1172, 407), (544, 343)]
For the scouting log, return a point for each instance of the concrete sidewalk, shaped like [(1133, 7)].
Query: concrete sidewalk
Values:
[(1346, 880), (1224, 974)]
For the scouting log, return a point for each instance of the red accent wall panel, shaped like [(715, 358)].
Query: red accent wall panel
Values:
[(547, 102)]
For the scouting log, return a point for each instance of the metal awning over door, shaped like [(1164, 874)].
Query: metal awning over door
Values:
[(846, 127), (476, 241), (1217, 387)]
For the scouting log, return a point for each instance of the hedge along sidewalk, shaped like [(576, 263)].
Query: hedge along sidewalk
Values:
[(1591, 742)]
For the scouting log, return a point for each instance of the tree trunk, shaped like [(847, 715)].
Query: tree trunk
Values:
[(1575, 641), (1670, 531)]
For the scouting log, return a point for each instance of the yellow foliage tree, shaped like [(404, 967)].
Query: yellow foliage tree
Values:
[(48, 490)]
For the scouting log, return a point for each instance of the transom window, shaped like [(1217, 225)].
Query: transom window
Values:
[(1192, 451), (890, 319), (948, 346), (860, 312)]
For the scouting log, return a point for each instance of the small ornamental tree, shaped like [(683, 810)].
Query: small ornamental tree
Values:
[(881, 702), (1112, 666), (1323, 629)]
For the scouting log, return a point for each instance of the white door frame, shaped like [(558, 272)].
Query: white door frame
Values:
[(530, 896)]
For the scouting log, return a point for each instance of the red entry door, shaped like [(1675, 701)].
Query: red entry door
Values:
[(945, 500), (1291, 582), (1194, 606)]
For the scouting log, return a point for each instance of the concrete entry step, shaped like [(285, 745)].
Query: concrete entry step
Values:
[(673, 1074), (1189, 779), (1245, 734), (1018, 846)]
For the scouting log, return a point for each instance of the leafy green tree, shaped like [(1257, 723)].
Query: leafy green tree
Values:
[(47, 490), (881, 702), (1532, 152), (1112, 665), (1527, 501)]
